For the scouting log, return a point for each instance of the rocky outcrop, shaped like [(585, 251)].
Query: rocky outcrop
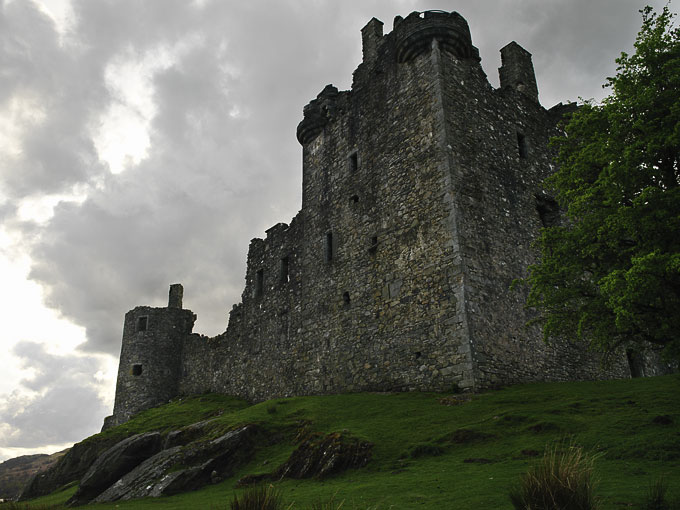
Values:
[(155, 464), (319, 457), (187, 434), (114, 463), (147, 479), (69, 468), (169, 471)]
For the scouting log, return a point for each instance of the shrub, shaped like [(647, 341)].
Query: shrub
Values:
[(425, 450), (657, 497), (561, 480), (263, 497)]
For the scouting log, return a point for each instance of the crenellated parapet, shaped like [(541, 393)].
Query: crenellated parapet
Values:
[(318, 113), (414, 35), (410, 37)]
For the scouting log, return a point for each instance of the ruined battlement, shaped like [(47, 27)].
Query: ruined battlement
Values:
[(421, 197), (414, 35)]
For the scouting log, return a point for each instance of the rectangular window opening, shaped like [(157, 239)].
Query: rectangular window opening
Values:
[(374, 245), (259, 283), (136, 369), (142, 323), (548, 210), (284, 270), (353, 162), (328, 248), (522, 145)]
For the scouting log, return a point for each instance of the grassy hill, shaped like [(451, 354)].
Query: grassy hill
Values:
[(437, 451)]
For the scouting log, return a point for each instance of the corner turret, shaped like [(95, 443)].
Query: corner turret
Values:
[(371, 38), (317, 114), (175, 296), (151, 357), (414, 35), (517, 71)]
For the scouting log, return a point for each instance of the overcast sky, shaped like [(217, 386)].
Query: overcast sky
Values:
[(145, 142)]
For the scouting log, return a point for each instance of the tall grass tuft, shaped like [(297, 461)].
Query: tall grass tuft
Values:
[(263, 497), (657, 497), (328, 505), (331, 504), (562, 480)]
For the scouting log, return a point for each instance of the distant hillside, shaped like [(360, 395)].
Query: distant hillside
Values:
[(14, 473)]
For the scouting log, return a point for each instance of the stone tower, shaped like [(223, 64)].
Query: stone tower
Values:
[(422, 195), (151, 356)]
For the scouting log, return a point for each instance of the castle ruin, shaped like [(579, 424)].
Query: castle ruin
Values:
[(422, 195)]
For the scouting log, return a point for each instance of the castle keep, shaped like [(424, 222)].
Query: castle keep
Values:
[(421, 197)]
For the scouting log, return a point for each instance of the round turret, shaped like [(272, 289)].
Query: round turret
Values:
[(414, 35), (317, 114), (151, 356)]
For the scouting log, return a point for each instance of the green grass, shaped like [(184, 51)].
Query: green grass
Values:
[(430, 455)]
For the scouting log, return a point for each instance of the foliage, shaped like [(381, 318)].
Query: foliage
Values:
[(562, 480), (610, 273), (263, 497)]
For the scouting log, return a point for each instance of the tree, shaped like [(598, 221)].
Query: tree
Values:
[(609, 273)]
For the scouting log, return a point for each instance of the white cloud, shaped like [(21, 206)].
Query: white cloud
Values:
[(58, 400), (122, 136), (21, 113), (40, 208), (22, 304), (62, 14)]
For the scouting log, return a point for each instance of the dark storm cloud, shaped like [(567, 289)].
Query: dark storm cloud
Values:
[(573, 42), (60, 87), (68, 409), (223, 166)]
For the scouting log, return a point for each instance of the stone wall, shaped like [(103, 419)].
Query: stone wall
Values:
[(498, 158)]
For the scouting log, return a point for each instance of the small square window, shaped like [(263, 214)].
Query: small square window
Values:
[(142, 323), (136, 369)]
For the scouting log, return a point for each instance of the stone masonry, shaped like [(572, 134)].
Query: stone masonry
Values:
[(422, 194)]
